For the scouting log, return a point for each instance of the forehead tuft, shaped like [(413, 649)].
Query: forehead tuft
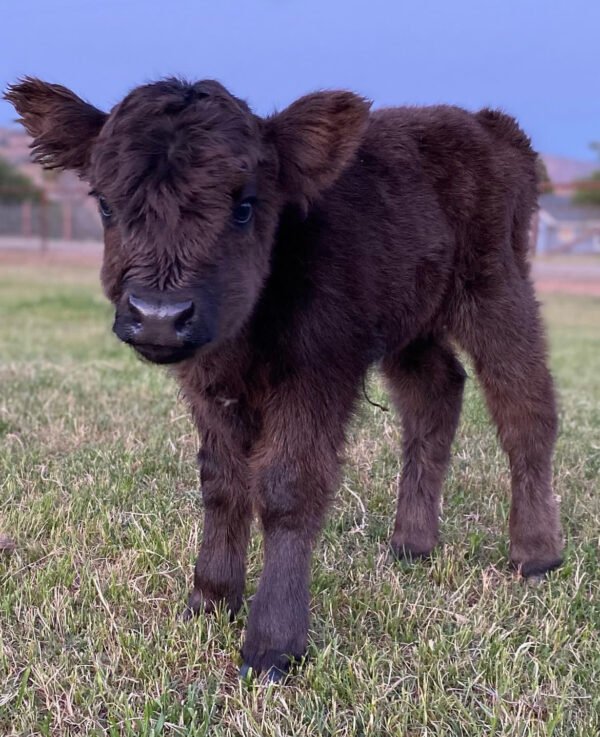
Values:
[(175, 97), (177, 137)]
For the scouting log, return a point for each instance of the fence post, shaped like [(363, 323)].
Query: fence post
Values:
[(67, 218), (43, 222), (534, 232), (26, 219)]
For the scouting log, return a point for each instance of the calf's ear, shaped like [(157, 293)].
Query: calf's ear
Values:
[(316, 137), (62, 125)]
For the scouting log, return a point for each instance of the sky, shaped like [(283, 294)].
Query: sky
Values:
[(536, 59)]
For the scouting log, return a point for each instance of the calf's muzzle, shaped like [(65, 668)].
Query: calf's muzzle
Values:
[(162, 327)]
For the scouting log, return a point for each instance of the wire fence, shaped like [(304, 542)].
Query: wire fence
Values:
[(38, 222)]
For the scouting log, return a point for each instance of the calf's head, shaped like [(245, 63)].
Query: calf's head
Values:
[(190, 185)]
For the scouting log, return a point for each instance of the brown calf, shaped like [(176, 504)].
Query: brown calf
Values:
[(272, 261)]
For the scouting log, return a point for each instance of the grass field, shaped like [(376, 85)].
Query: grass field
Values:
[(98, 489)]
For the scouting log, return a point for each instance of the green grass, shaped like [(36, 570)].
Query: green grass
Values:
[(98, 488)]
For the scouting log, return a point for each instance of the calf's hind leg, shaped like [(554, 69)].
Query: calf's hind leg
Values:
[(426, 382), (507, 343)]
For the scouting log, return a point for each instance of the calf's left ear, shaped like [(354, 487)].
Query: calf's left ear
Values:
[(62, 125), (316, 138)]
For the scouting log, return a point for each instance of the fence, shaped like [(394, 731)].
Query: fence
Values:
[(38, 222)]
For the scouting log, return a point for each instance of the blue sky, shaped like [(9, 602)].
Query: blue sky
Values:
[(537, 59)]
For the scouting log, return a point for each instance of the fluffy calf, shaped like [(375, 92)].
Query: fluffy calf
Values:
[(271, 261)]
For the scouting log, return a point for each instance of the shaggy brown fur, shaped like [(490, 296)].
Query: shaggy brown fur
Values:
[(291, 253)]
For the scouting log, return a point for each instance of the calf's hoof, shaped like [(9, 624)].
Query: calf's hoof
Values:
[(199, 603), (536, 569), (535, 555), (196, 604), (274, 674), (273, 665), (410, 551)]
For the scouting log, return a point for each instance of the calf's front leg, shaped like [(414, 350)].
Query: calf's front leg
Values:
[(220, 571), (295, 472)]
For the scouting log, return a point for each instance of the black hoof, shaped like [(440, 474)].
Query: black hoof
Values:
[(194, 606), (272, 675), (188, 614), (410, 554), (198, 604), (270, 666), (537, 569), (246, 671)]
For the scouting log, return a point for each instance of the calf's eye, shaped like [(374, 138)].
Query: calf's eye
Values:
[(104, 208), (243, 212)]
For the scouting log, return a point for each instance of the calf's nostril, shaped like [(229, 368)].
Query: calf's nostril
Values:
[(184, 317), (186, 310), (138, 307)]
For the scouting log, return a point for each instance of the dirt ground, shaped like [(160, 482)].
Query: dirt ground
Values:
[(552, 274), (29, 251), (568, 274)]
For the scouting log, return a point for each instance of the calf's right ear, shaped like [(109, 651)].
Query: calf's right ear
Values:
[(62, 125), (316, 138)]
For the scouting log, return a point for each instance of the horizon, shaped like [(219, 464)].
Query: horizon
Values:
[(535, 62)]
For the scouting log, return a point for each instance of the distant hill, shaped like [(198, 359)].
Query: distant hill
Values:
[(70, 212), (60, 186), (563, 170)]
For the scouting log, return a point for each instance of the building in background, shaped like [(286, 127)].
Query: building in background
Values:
[(563, 226)]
